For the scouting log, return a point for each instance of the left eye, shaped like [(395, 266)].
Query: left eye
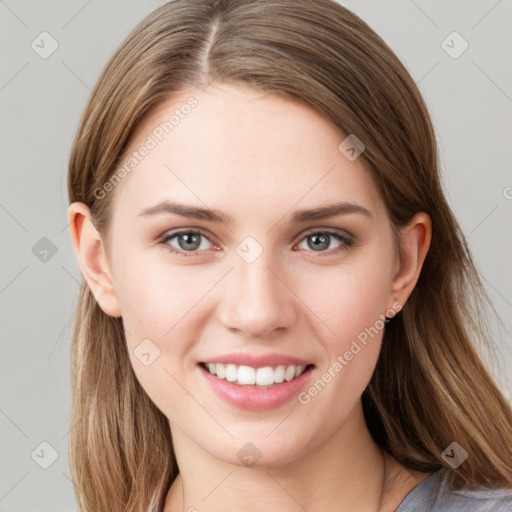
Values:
[(190, 243), (319, 240)]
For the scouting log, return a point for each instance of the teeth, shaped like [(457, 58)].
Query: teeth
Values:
[(289, 374), (248, 376), (220, 370), (265, 376), (231, 373), (279, 374)]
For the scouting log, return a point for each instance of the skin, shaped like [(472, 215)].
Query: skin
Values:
[(258, 158)]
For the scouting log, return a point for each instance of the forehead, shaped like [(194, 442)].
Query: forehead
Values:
[(240, 148)]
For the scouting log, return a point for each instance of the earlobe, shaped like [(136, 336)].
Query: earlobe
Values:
[(415, 242), (90, 252)]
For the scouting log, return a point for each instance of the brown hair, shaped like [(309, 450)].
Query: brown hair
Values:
[(430, 387)]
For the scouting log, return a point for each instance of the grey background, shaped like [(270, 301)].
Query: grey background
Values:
[(41, 100)]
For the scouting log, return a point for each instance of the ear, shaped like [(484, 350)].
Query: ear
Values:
[(414, 245), (90, 252)]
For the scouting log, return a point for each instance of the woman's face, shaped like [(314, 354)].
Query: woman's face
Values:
[(267, 287)]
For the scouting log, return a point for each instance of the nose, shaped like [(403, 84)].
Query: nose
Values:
[(258, 300)]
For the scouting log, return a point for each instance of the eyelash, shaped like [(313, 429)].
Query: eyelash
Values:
[(347, 242)]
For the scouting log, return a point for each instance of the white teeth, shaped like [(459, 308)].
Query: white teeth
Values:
[(279, 374), (249, 376), (231, 373), (246, 375), (289, 374), (220, 370), (265, 376)]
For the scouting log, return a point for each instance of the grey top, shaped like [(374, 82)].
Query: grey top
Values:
[(433, 494)]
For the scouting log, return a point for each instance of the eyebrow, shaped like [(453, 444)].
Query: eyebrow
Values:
[(299, 216)]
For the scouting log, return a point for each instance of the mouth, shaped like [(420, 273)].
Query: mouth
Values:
[(251, 377)]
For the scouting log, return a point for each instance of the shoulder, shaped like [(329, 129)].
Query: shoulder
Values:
[(434, 494), (491, 500)]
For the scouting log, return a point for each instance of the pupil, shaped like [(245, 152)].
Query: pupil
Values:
[(323, 241), (187, 239)]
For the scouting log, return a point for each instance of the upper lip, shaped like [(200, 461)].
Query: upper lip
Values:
[(257, 361)]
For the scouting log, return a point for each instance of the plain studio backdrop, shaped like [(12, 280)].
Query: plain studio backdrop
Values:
[(458, 52)]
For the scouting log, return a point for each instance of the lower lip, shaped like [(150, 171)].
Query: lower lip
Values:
[(256, 398)]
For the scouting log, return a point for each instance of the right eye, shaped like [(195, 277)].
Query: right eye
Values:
[(188, 242)]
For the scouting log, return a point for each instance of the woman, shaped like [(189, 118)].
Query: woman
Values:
[(279, 310)]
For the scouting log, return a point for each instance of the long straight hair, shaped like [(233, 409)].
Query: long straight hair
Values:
[(430, 386)]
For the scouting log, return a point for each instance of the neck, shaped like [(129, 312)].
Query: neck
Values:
[(347, 471)]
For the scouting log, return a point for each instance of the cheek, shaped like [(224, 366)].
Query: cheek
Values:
[(362, 302), (155, 294), (353, 301), (357, 318), (162, 302), (157, 304), (350, 299)]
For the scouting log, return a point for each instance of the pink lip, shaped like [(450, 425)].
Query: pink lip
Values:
[(257, 361), (256, 398)]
